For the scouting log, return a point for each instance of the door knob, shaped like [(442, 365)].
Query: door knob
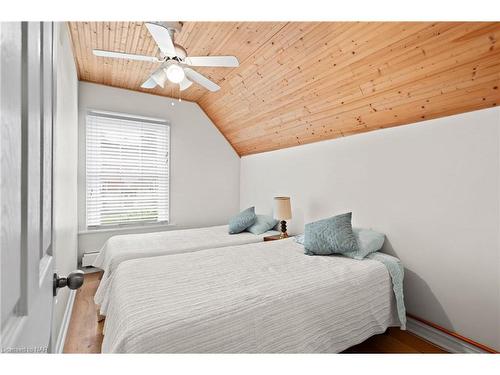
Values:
[(73, 281)]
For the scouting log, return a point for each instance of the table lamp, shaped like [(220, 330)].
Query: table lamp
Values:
[(282, 212)]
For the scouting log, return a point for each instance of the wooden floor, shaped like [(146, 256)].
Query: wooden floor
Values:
[(85, 333)]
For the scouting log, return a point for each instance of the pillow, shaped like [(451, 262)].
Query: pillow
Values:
[(369, 241), (242, 221), (262, 224), (330, 236)]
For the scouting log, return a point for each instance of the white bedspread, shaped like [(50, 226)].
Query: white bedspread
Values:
[(132, 246), (256, 298)]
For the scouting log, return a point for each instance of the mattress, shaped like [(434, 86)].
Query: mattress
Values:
[(255, 298), (132, 246)]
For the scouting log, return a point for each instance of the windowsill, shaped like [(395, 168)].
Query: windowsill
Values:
[(123, 229)]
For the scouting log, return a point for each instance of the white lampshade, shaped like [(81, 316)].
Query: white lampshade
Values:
[(159, 77), (282, 208), (175, 73)]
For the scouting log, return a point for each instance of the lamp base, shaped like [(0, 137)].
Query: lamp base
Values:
[(283, 234)]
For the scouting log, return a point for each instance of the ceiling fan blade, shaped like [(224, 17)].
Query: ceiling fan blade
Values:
[(222, 61), (149, 84), (161, 35), (185, 84), (201, 80), (120, 55)]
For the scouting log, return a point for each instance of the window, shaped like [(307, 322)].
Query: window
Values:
[(127, 170)]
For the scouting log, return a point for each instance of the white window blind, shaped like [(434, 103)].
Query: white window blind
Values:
[(127, 170)]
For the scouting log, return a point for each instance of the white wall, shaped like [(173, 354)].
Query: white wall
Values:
[(65, 157), (204, 168), (432, 188)]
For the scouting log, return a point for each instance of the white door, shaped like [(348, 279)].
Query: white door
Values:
[(26, 89)]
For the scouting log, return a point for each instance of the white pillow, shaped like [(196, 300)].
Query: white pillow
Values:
[(369, 241)]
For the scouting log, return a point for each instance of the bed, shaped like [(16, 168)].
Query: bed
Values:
[(132, 246), (255, 298)]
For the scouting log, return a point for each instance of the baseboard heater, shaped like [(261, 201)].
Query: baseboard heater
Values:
[(444, 338), (88, 259)]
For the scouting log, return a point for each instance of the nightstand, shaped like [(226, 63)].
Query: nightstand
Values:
[(274, 238)]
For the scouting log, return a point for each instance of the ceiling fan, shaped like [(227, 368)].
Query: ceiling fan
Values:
[(173, 60)]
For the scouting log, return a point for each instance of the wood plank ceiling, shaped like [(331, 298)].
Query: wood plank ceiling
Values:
[(305, 82)]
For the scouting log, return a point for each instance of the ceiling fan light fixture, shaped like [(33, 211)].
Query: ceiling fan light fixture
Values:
[(175, 73), (159, 77)]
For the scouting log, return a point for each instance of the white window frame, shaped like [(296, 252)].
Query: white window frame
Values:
[(137, 224)]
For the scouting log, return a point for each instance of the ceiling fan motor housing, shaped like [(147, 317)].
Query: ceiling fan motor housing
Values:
[(180, 52)]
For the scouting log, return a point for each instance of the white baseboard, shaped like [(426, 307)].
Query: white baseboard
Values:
[(61, 338), (447, 342)]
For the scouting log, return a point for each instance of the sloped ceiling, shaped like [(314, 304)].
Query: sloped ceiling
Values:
[(305, 82)]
